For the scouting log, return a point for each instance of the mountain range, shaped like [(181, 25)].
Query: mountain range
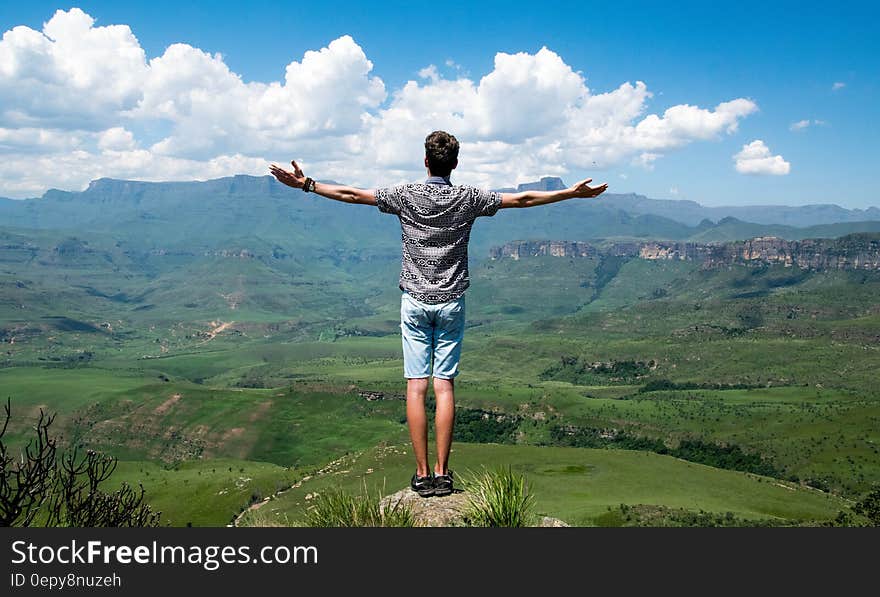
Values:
[(692, 213), (258, 213)]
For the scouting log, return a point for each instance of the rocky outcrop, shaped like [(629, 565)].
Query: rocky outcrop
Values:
[(235, 253), (852, 252), (561, 248), (446, 511)]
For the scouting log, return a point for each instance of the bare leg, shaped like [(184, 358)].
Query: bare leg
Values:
[(444, 420), (416, 390)]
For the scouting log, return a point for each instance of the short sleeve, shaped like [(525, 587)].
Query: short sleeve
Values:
[(389, 200), (486, 203)]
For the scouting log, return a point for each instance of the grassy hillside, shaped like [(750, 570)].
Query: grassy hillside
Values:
[(602, 379), (581, 486)]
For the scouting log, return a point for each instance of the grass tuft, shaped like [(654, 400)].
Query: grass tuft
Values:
[(498, 498), (340, 509)]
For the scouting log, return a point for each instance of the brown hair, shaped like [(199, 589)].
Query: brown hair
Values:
[(441, 150)]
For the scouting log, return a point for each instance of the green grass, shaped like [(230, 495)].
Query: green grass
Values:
[(579, 485), (498, 498), (341, 509), (94, 335), (203, 493)]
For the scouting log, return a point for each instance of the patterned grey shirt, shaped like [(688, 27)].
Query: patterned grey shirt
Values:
[(435, 221)]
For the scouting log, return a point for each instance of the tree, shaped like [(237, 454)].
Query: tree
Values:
[(869, 507), (44, 487)]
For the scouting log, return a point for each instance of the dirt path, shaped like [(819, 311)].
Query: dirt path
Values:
[(331, 467), (219, 327)]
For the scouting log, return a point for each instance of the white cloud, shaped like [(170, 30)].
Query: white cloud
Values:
[(430, 73), (22, 174), (646, 160), (88, 97), (755, 158), (802, 125), (38, 140), (71, 74), (116, 139), (838, 85), (213, 111)]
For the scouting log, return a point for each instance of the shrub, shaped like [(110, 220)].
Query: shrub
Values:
[(498, 498), (45, 487), (869, 507)]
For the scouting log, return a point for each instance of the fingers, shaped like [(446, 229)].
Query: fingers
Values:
[(588, 191), (279, 172), (282, 175)]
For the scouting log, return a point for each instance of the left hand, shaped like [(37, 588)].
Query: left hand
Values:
[(583, 189), (295, 179)]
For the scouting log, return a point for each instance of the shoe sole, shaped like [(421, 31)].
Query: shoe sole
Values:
[(442, 492), (424, 492)]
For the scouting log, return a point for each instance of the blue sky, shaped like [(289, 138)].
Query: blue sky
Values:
[(794, 63)]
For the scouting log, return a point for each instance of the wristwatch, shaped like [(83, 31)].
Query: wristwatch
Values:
[(308, 185)]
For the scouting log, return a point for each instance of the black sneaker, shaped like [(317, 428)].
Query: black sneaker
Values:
[(443, 484), (424, 486)]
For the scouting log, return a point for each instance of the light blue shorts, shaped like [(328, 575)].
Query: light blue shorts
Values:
[(432, 336)]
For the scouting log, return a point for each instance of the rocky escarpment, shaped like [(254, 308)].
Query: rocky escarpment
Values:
[(852, 252), (560, 248)]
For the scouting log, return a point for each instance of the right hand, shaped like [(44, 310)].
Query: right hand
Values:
[(295, 179), (583, 189)]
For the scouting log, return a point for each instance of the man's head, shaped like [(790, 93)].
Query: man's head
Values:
[(441, 153)]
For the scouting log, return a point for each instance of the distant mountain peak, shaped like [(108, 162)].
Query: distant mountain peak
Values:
[(547, 183)]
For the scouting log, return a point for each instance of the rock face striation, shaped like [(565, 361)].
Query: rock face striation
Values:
[(852, 252), (555, 248)]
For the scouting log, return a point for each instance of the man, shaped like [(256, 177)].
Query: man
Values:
[(435, 218)]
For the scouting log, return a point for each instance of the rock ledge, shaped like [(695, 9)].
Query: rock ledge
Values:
[(446, 511)]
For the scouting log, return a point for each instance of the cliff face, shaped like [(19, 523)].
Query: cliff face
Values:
[(856, 251), (555, 248)]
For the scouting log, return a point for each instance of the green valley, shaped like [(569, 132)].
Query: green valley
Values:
[(228, 342)]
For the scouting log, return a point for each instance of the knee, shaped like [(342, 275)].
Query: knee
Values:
[(417, 386), (444, 387)]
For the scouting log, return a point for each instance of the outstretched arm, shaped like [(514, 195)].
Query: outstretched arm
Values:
[(338, 192), (535, 198)]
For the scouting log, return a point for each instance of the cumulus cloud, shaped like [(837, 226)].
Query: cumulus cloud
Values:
[(838, 85), (755, 158), (71, 74), (88, 98), (213, 111), (116, 139)]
